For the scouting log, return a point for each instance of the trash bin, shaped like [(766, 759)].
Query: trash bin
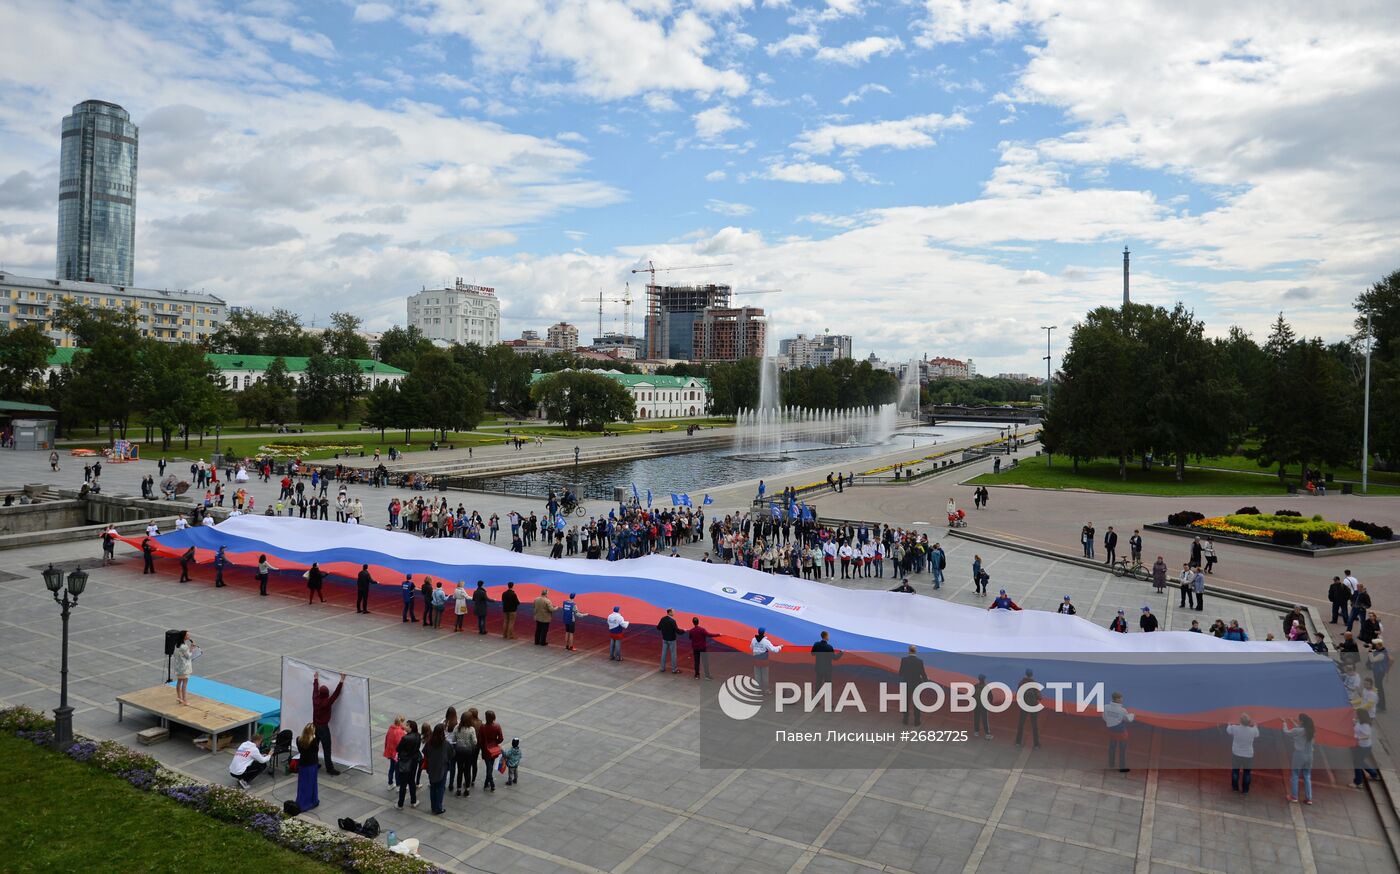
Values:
[(1292, 489), (1346, 488)]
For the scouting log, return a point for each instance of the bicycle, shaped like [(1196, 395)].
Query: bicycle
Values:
[(1125, 567)]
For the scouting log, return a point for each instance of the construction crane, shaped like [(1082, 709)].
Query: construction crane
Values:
[(764, 291), (653, 269), (625, 300)]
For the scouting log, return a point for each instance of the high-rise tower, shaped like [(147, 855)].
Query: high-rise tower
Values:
[(97, 195), (1125, 276)]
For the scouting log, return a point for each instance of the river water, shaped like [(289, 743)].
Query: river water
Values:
[(711, 468)]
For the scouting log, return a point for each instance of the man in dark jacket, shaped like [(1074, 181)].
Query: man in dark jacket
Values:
[(479, 601), (1148, 622), (510, 602), (1110, 545), (362, 584), (408, 589), (322, 703), (219, 561), (1028, 698), (911, 674), (185, 561), (1340, 597), (669, 632), (148, 554), (824, 654)]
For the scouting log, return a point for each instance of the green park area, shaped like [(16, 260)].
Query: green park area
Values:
[(1102, 475), (61, 815)]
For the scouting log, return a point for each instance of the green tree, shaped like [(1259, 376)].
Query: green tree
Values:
[(1310, 405), (317, 395), (1382, 302), (453, 398), (347, 384), (577, 398), (382, 407), (24, 356), (1097, 410), (400, 347), (342, 339), (108, 379), (504, 375), (248, 332)]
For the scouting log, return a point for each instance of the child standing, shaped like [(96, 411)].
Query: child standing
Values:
[(391, 745), (512, 758)]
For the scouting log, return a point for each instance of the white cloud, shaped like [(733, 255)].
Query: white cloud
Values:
[(794, 44), (570, 136), (915, 132), (715, 122), (613, 49), (657, 102), (450, 82), (958, 20), (858, 95), (720, 7), (715, 176), (729, 208), (369, 13), (804, 171), (859, 51)]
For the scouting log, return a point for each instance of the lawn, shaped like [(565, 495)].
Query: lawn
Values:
[(61, 815), (1249, 465), (249, 446), (1102, 476)]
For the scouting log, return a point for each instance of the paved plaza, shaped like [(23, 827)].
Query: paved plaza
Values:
[(612, 779)]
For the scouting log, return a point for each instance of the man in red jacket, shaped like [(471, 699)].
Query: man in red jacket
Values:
[(322, 702)]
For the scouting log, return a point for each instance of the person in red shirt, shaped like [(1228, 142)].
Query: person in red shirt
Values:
[(700, 646), (489, 738), (322, 703)]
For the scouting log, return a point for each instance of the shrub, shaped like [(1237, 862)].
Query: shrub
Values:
[(1377, 532), (1288, 537), (1287, 513), (1322, 538), (115, 758), (1184, 518), (231, 805), (16, 719), (1247, 511)]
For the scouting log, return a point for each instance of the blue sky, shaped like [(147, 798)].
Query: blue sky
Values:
[(938, 177)]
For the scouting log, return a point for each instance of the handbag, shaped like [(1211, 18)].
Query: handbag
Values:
[(492, 751)]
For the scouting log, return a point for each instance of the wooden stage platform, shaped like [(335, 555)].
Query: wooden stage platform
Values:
[(202, 714)]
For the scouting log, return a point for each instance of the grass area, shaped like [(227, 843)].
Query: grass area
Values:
[(232, 428), (641, 426), (1102, 476), (1249, 465), (65, 816), (249, 446)]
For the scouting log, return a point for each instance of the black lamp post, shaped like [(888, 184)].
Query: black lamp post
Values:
[(578, 492), (218, 429), (77, 582)]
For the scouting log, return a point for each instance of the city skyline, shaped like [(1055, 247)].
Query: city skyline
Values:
[(946, 176)]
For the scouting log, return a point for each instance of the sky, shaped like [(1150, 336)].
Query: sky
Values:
[(939, 177)]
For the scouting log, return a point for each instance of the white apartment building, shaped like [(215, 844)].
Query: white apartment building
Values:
[(461, 314), (562, 336), (170, 316), (803, 351)]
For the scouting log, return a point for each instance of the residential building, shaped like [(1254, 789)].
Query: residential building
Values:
[(530, 336), (170, 316), (620, 346), (672, 311), (946, 368), (803, 351), (97, 195), (241, 371), (460, 314), (729, 334), (562, 336), (658, 397)]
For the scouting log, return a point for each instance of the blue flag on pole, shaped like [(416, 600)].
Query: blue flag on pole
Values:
[(648, 497), (685, 501), (635, 496), (707, 500), (773, 508), (675, 499)]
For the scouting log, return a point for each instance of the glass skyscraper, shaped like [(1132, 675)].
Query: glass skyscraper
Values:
[(97, 195)]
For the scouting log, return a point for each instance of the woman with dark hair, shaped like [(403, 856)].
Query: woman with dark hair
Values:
[(308, 767), (467, 749), (437, 753), (263, 570), (184, 666), (450, 724), (410, 748), (1302, 736), (490, 737)]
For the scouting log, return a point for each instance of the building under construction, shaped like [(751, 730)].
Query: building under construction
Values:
[(729, 334), (672, 312)]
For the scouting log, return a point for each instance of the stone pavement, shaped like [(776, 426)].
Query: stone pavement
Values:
[(611, 778)]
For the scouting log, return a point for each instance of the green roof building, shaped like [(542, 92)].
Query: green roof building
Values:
[(241, 371), (656, 396)]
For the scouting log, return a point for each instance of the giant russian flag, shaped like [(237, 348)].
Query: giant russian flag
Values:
[(1179, 679)]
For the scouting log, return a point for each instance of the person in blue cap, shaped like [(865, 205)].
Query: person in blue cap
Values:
[(1119, 623), (1148, 622), (617, 625), (1003, 602), (1067, 607)]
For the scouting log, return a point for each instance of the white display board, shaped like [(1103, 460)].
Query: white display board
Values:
[(350, 731)]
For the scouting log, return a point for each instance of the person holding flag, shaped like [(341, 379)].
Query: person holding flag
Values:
[(762, 488), (708, 500)]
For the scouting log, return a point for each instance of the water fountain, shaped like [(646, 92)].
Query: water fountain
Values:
[(909, 389), (769, 431)]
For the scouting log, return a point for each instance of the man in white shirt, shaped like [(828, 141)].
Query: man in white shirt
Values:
[(1242, 737), (181, 523), (248, 762), (151, 529), (829, 557), (208, 522), (1117, 717), (845, 553), (616, 626)]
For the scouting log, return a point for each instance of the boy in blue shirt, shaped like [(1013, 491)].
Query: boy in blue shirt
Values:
[(571, 615), (409, 591), (512, 759)]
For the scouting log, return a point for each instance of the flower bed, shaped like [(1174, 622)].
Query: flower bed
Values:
[(1285, 527), (224, 803), (292, 450)]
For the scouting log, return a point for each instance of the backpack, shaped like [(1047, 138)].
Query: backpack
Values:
[(370, 829), (290, 808), (348, 824)]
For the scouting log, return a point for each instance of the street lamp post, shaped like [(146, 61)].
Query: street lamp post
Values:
[(1047, 330), (218, 429), (1366, 411), (77, 582), (578, 492)]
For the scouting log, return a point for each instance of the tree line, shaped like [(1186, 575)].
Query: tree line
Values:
[(1139, 380)]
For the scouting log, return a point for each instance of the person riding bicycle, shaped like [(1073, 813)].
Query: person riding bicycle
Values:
[(568, 502)]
